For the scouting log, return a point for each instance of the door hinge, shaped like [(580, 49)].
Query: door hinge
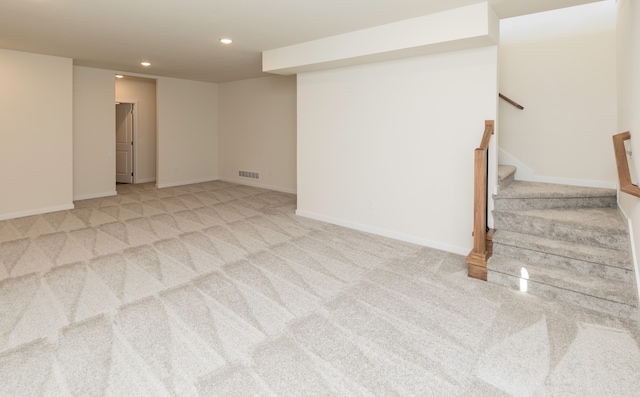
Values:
[(132, 174), (131, 143)]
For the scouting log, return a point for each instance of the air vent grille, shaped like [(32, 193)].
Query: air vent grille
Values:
[(249, 174)]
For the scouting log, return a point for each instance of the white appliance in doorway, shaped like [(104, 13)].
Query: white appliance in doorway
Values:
[(124, 142)]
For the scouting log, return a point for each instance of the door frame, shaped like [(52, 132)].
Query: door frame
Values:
[(134, 102)]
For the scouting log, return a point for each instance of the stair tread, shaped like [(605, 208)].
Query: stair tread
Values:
[(505, 171), (566, 280), (526, 189), (573, 241), (567, 249), (605, 218), (616, 309)]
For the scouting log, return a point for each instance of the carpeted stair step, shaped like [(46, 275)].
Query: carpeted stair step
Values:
[(521, 195), (596, 261), (506, 174), (599, 227), (585, 290)]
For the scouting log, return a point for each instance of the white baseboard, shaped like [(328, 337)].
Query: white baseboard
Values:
[(145, 180), (525, 173), (182, 183), (38, 211), (259, 185), (94, 195), (386, 233)]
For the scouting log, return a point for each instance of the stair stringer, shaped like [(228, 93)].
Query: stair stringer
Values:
[(634, 254), (526, 173)]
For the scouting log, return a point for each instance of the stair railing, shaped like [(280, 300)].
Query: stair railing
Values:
[(624, 175), (511, 101), (477, 258)]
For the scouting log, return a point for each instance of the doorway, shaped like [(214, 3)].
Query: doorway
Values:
[(141, 94), (124, 142)]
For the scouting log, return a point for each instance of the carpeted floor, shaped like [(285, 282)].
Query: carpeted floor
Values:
[(218, 289)]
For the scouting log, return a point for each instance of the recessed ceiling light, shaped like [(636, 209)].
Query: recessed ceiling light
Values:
[(145, 64), (226, 40), (119, 76)]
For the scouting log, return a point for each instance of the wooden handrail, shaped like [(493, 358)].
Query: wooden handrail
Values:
[(624, 175), (477, 258), (486, 136), (511, 101)]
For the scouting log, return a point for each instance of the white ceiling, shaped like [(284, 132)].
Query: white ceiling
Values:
[(180, 37)]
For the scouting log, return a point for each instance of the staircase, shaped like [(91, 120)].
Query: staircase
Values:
[(563, 242)]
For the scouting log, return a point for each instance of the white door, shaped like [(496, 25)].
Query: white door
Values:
[(124, 142)]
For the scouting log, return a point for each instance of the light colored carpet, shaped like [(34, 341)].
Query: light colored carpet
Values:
[(218, 289)]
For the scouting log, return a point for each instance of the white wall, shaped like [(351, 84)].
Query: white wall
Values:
[(561, 66), (187, 125), (142, 92), (388, 147), (37, 132), (187, 132), (94, 128), (257, 131), (629, 81), (628, 105)]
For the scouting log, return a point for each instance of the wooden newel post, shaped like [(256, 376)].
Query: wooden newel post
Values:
[(477, 258)]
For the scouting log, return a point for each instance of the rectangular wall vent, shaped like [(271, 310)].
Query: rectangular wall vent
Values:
[(249, 174)]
